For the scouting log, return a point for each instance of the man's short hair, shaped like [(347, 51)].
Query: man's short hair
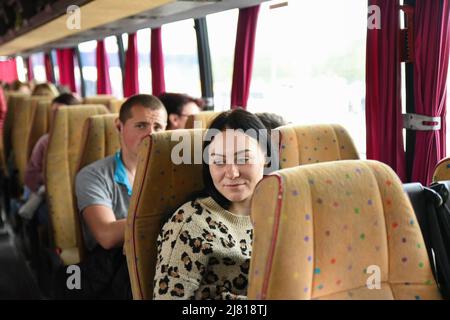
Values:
[(67, 99), (145, 100)]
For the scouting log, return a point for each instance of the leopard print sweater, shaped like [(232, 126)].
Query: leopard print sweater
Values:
[(203, 253)]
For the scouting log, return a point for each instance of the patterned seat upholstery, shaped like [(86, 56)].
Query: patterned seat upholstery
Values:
[(104, 99), (160, 187), (204, 117), (442, 170), (20, 133), (306, 144), (100, 139), (60, 169), (41, 114), (325, 231)]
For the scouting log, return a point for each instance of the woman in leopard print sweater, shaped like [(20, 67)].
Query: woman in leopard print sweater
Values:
[(204, 249)]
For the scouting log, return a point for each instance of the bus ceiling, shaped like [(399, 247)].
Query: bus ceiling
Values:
[(66, 23)]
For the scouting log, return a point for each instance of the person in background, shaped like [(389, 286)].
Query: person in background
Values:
[(21, 87), (179, 107), (271, 120)]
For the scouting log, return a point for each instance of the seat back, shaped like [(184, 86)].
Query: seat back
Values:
[(204, 117), (99, 140), (442, 170), (41, 114), (116, 104), (306, 144), (103, 99), (327, 231), (20, 133), (60, 169), (160, 187), (14, 99)]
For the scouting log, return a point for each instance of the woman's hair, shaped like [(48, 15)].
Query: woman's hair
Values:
[(45, 89), (237, 119), (174, 102), (16, 85)]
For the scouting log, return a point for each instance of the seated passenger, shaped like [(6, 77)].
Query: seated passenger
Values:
[(34, 172), (179, 107), (103, 191), (45, 89), (204, 248), (22, 87)]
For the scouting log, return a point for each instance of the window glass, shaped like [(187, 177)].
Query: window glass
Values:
[(310, 64), (181, 68), (145, 76), (115, 72), (222, 54), (88, 61), (37, 61)]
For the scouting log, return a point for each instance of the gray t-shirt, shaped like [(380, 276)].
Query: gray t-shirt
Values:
[(97, 184)]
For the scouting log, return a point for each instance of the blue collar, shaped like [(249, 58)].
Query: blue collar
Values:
[(120, 174)]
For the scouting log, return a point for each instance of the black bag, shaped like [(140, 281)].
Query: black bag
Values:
[(439, 237), (104, 275)]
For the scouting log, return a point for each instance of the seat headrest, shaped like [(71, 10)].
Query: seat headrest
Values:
[(100, 139), (204, 118), (307, 144), (442, 170)]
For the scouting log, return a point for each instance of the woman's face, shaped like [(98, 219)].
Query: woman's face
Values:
[(236, 164)]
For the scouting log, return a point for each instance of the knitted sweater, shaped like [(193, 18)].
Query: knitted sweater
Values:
[(203, 253)]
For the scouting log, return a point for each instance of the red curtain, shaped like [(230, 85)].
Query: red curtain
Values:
[(103, 80), (243, 56), (8, 70), (131, 81), (30, 73), (431, 29), (384, 122), (66, 68), (48, 68), (157, 63)]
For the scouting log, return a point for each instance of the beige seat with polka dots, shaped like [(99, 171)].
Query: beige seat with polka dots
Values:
[(337, 230), (307, 144)]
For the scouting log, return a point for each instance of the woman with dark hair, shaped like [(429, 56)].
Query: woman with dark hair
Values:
[(204, 249), (179, 107)]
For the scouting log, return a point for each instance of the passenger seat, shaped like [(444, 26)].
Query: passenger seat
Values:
[(333, 231), (60, 168), (308, 144)]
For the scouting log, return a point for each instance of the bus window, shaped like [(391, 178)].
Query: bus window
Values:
[(181, 68), (21, 71), (145, 75), (317, 73), (222, 54), (88, 58), (115, 72), (37, 61)]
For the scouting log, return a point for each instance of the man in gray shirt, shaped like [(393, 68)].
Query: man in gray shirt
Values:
[(103, 188), (103, 191)]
